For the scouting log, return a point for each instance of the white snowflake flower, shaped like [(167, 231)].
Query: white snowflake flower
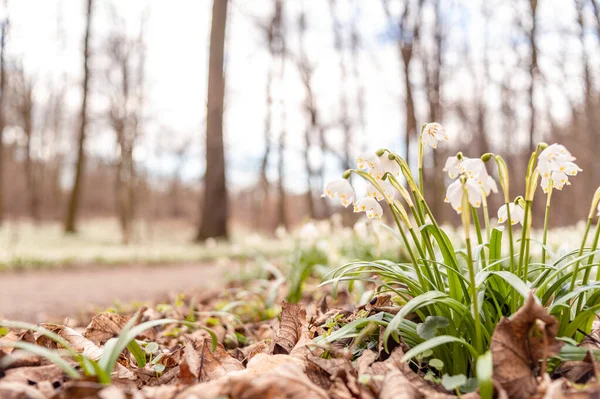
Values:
[(517, 214), (453, 167), (384, 166), (433, 133), (365, 161), (340, 188), (370, 206)]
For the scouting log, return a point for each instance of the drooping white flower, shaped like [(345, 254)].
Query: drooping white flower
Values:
[(388, 191), (555, 165), (489, 186), (453, 167), (433, 133), (454, 195), (517, 214), (474, 168), (475, 193), (384, 166), (557, 180), (455, 192), (340, 188), (370, 206), (365, 161)]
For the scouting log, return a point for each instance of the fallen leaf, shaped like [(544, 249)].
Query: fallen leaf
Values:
[(17, 390), (293, 319), (104, 326), (189, 368), (519, 344), (216, 364)]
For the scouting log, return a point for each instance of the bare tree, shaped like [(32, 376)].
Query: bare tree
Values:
[(126, 69), (73, 205), (22, 95), (407, 35), (533, 71), (215, 207)]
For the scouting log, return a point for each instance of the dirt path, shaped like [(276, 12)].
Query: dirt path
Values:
[(51, 294)]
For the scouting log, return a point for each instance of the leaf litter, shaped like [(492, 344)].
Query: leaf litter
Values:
[(256, 356)]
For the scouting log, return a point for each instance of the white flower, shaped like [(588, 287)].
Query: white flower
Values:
[(474, 168), (489, 186), (558, 180), (384, 166), (388, 191), (340, 188), (455, 192), (555, 165), (365, 161), (433, 133), (517, 214), (370, 206), (454, 195), (453, 167)]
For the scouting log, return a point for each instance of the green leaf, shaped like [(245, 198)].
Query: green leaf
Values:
[(436, 364), (495, 245), (429, 328), (435, 342), (45, 353), (151, 348), (138, 353), (453, 382)]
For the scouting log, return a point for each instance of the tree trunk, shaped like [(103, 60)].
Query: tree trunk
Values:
[(533, 73), (71, 218), (215, 208)]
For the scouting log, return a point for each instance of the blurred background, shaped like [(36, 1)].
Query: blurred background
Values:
[(201, 118)]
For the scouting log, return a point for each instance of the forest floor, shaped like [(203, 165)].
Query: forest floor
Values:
[(51, 295)]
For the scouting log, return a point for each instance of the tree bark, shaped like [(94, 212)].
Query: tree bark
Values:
[(533, 73), (73, 206), (215, 207)]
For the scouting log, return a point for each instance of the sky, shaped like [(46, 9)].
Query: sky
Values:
[(47, 36)]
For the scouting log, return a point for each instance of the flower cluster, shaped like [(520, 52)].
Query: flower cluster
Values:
[(477, 181), (555, 165)]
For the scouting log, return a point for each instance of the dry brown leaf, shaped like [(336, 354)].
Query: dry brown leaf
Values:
[(34, 375), (104, 326), (17, 390), (216, 364), (519, 344), (396, 386), (189, 368), (293, 319), (276, 376)]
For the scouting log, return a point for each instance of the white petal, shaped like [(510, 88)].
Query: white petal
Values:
[(474, 192), (453, 167), (454, 195)]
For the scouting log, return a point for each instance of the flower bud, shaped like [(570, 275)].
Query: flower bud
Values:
[(595, 201), (346, 174), (487, 156), (380, 152)]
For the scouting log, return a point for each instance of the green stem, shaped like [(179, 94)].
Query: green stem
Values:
[(511, 246), (586, 275), (545, 238), (478, 344), (478, 231), (411, 254), (581, 248), (524, 235)]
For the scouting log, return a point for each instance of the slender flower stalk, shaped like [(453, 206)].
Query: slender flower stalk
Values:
[(466, 221), (593, 207), (546, 215)]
